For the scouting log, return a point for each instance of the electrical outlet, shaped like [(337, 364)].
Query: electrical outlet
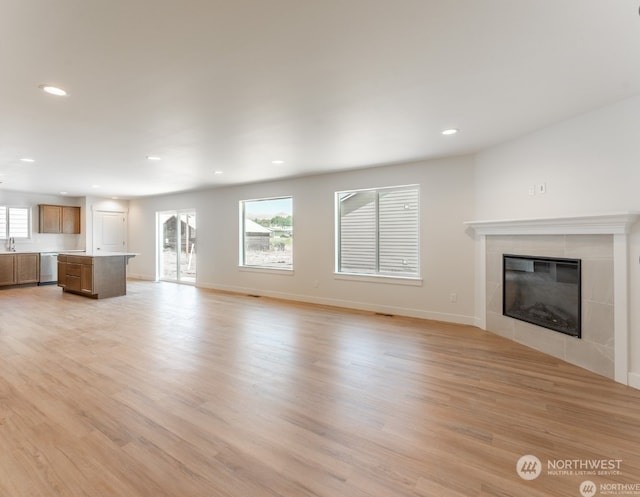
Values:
[(453, 297)]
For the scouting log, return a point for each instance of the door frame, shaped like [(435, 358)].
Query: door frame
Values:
[(160, 246)]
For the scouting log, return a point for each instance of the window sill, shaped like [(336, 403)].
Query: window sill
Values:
[(379, 278), (267, 270)]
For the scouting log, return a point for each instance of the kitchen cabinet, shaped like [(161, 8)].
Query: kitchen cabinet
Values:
[(50, 219), (59, 219), (62, 273), (71, 220), (27, 268), (95, 276), (86, 278), (19, 269), (7, 269)]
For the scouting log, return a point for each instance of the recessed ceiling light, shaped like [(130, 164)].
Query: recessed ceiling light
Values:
[(53, 90), (95, 186), (218, 172), (449, 131), (277, 161), (64, 193), (153, 157), (27, 159)]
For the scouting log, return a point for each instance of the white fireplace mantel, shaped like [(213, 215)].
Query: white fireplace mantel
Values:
[(616, 224), (602, 224)]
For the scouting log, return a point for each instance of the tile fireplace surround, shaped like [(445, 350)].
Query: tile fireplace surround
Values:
[(601, 242)]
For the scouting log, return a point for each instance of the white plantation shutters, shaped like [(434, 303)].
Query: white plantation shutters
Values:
[(14, 222), (18, 222), (3, 221), (378, 231)]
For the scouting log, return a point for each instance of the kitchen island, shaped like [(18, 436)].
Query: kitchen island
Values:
[(97, 275)]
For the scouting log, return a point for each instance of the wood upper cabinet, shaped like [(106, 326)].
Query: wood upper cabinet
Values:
[(59, 219), (71, 219), (50, 219)]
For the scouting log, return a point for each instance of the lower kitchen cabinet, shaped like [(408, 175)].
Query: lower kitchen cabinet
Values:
[(86, 278), (19, 269), (27, 268), (7, 269)]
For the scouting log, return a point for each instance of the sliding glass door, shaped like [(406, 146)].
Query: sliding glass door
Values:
[(177, 246)]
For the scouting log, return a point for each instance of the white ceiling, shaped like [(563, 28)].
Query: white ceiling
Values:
[(232, 85)]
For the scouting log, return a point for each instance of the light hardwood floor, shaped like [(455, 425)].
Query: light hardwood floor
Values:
[(177, 391)]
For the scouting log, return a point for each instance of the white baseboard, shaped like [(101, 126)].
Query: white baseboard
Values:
[(634, 380), (477, 322), (142, 277), (348, 304)]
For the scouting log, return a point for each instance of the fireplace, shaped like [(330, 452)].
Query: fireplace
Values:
[(543, 291), (602, 244)]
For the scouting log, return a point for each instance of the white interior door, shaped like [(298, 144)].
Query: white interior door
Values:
[(110, 231)]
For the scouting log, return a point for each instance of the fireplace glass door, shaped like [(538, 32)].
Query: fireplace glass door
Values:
[(543, 291)]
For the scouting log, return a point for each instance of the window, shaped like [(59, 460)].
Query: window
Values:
[(378, 231), (267, 233), (15, 222)]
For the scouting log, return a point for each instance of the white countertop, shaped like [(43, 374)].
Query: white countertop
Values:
[(20, 251), (98, 253), (8, 252)]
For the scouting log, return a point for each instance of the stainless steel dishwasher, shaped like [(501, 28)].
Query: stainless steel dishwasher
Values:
[(48, 268)]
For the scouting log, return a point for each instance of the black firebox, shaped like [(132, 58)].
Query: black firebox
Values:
[(544, 291)]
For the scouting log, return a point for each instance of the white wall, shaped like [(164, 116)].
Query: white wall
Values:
[(590, 164), (42, 242), (447, 253)]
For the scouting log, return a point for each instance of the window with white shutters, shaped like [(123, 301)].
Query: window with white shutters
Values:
[(378, 231), (15, 222), (3, 222)]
